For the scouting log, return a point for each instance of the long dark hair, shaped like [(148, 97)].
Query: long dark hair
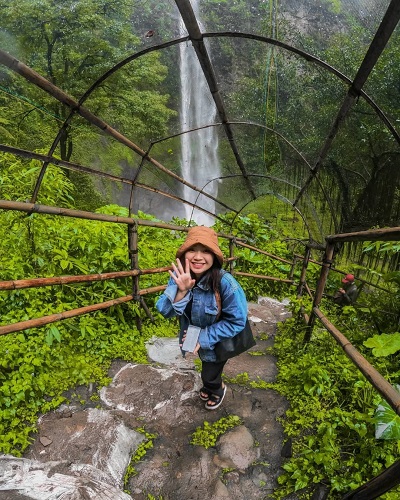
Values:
[(213, 276)]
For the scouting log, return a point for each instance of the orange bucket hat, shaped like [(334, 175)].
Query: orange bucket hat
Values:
[(205, 236)]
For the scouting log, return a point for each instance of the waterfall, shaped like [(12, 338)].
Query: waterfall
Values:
[(199, 158)]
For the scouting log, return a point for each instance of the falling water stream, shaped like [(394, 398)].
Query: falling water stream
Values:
[(199, 158)]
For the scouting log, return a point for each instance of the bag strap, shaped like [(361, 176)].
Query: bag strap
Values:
[(219, 302), (217, 294)]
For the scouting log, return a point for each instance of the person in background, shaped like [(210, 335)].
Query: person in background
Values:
[(201, 294), (348, 293)]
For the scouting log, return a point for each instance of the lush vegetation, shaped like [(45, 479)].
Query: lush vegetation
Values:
[(333, 409), (334, 413), (341, 432), (72, 44), (80, 41), (208, 434)]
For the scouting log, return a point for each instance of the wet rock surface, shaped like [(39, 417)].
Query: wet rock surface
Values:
[(82, 451)]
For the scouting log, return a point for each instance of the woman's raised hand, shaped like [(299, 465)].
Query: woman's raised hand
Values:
[(182, 277)]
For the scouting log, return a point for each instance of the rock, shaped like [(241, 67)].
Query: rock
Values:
[(153, 393), (166, 351), (45, 441), (321, 492), (21, 478), (236, 449), (77, 439), (268, 311), (221, 492)]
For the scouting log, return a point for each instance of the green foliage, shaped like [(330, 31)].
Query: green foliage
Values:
[(240, 379), (32, 382), (140, 453), (225, 471), (18, 178), (73, 44), (40, 364), (331, 415), (387, 422), (243, 379), (207, 435), (258, 233), (384, 344)]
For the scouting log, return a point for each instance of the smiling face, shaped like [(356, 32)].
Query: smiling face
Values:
[(200, 259)]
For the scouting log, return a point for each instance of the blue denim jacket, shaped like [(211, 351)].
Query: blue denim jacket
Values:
[(204, 312)]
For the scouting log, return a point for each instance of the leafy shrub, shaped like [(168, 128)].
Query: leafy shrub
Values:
[(331, 416)]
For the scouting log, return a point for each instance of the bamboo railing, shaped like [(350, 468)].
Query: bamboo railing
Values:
[(84, 278), (384, 388), (382, 483)]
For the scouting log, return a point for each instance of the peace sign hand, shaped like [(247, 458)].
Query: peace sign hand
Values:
[(182, 277)]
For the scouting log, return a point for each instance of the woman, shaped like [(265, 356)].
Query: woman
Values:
[(203, 295)]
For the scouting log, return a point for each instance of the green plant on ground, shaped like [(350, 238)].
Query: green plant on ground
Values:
[(240, 379), (208, 434), (225, 471), (140, 453), (387, 422)]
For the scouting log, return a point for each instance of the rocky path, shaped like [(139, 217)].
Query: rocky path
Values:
[(82, 452)]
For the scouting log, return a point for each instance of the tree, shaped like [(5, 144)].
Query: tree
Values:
[(72, 43)]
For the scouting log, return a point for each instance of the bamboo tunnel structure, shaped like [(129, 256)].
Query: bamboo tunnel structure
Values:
[(77, 108)]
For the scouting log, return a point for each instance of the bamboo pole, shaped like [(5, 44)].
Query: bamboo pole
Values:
[(152, 289), (326, 264), (308, 290), (386, 390), (53, 318), (325, 268), (62, 163), (84, 278), (146, 310), (66, 212), (245, 245), (231, 259), (269, 278), (387, 234), (133, 255), (80, 214), (379, 485)]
